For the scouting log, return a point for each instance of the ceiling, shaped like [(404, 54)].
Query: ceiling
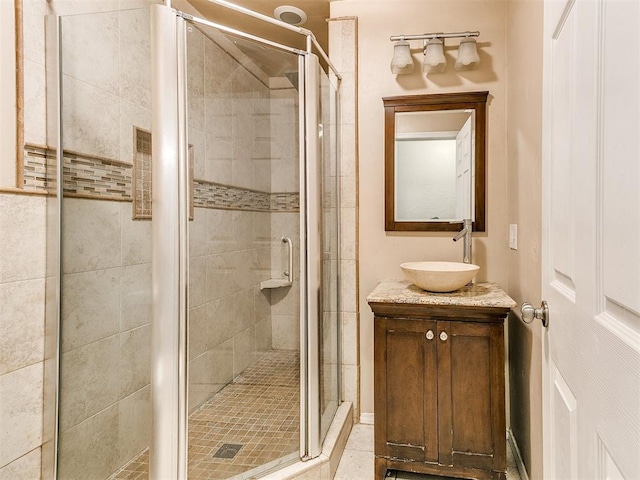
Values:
[(317, 12)]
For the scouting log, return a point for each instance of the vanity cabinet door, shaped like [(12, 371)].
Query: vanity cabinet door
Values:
[(406, 398), (471, 396)]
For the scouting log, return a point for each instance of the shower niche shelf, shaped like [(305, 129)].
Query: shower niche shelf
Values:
[(275, 283)]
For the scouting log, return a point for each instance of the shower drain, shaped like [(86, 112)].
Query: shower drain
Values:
[(227, 450)]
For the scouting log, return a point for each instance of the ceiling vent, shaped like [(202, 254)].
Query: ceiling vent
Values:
[(290, 15)]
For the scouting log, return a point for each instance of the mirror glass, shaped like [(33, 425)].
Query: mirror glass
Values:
[(434, 166), (435, 161)]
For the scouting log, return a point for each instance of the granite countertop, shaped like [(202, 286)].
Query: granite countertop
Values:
[(479, 295)]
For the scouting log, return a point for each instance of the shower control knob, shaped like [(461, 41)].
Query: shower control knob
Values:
[(430, 335), (443, 336)]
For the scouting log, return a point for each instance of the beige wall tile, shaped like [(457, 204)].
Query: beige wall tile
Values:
[(35, 102), (350, 386), (349, 338), (197, 139), (286, 331), (89, 381), (347, 231), (263, 340), (91, 446), (135, 237), (220, 321), (219, 276), (198, 234), (210, 372), (91, 235), (90, 307), (21, 324), (135, 68), (20, 412), (198, 326), (132, 115), (91, 50), (219, 230), (135, 296), (243, 314), (22, 236), (84, 130), (26, 467), (198, 286), (244, 350), (135, 360), (134, 430)]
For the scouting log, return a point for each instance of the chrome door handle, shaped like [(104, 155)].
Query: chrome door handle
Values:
[(530, 313)]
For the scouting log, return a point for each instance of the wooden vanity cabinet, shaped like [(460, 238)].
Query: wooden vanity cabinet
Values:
[(439, 390)]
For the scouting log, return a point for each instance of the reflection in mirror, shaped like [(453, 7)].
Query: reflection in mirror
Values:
[(434, 166), (435, 161)]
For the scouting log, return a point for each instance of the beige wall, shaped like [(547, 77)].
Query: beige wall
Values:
[(381, 253), (524, 146)]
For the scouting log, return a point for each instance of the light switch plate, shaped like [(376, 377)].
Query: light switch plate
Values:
[(513, 236)]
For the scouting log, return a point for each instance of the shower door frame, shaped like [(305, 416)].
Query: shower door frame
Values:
[(169, 442)]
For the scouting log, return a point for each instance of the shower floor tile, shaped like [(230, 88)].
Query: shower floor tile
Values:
[(260, 410)]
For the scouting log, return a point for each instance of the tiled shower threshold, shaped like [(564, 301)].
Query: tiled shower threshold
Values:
[(259, 411)]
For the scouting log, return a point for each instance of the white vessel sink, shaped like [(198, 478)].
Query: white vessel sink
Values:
[(439, 276)]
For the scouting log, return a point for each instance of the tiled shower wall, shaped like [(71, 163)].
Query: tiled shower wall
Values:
[(22, 292)]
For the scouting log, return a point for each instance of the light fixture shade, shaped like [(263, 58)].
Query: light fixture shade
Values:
[(467, 54), (402, 61), (434, 59)]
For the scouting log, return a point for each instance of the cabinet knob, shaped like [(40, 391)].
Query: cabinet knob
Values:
[(430, 335), (443, 336)]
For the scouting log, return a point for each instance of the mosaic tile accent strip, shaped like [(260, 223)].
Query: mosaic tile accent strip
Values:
[(285, 202), (105, 179), (215, 195), (35, 168), (91, 176), (259, 410)]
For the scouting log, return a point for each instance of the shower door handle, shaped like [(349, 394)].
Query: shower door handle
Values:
[(288, 273)]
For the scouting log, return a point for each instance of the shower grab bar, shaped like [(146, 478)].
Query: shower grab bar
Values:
[(287, 281), (288, 273)]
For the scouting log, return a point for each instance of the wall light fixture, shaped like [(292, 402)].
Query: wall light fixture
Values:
[(433, 49)]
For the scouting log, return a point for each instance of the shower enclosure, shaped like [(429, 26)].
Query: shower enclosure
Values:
[(198, 286)]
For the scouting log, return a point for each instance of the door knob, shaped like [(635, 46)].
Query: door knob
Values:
[(530, 313), (443, 336), (430, 335)]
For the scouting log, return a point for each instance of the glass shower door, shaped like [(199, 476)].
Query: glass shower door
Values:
[(244, 293), (329, 363), (104, 416)]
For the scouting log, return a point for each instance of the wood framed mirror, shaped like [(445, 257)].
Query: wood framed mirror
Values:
[(435, 161)]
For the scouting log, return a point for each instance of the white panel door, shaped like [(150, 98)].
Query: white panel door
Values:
[(591, 239)]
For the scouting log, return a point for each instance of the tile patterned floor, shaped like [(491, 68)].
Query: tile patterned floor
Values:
[(260, 410), (357, 460)]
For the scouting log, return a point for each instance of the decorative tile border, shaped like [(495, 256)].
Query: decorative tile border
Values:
[(105, 179), (215, 195), (91, 176)]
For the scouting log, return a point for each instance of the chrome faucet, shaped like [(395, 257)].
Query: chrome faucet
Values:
[(466, 234)]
